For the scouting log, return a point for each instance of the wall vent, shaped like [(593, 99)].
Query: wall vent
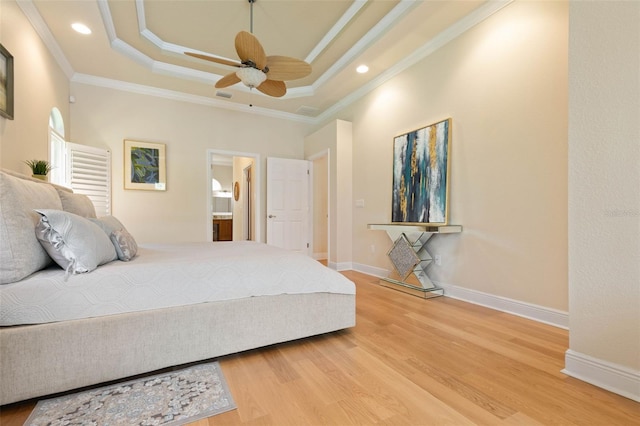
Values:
[(225, 95)]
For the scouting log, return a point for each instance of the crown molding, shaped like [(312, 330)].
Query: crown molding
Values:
[(185, 97)]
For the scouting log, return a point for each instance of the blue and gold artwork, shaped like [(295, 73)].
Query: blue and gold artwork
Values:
[(420, 175)]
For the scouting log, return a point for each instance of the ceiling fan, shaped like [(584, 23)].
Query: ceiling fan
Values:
[(256, 69)]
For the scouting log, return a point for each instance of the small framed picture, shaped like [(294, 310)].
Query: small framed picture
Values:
[(6, 83), (145, 166)]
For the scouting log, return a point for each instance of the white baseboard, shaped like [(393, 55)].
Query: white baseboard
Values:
[(612, 377), (538, 313), (371, 270), (340, 266), (542, 314)]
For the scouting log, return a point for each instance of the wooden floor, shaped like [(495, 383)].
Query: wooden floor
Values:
[(411, 361)]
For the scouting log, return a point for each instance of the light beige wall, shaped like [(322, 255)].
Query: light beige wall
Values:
[(336, 137), (105, 117), (320, 206), (604, 182), (504, 84), (40, 84)]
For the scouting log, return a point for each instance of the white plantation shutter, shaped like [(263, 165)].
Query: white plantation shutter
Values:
[(89, 173)]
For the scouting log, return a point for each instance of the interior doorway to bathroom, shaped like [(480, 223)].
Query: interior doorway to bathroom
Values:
[(233, 200)]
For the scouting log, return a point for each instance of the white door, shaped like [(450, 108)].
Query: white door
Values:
[(288, 204)]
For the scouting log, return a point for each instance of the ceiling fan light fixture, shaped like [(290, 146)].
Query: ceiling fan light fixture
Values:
[(251, 77)]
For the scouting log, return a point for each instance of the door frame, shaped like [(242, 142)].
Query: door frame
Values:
[(247, 232), (256, 185)]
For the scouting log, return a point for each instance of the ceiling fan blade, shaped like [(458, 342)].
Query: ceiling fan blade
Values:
[(214, 59), (284, 68), (273, 88), (228, 80), (250, 49)]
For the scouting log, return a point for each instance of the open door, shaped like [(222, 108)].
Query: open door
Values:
[(288, 204)]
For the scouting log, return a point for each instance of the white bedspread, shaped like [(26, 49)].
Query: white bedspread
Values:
[(167, 276)]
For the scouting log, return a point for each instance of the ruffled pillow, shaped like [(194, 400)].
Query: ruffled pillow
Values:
[(73, 242)]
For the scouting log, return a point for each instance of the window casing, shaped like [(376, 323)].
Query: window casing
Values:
[(85, 169)]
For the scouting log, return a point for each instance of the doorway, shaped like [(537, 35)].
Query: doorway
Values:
[(233, 196), (320, 205)]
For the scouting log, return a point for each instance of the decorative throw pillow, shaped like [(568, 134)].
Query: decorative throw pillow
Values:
[(73, 242), (126, 247), (124, 243)]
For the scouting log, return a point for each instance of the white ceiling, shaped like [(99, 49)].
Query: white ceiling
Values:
[(138, 45)]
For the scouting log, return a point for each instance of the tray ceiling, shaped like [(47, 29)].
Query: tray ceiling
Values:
[(140, 44)]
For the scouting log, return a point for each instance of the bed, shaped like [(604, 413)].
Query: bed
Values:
[(168, 305)]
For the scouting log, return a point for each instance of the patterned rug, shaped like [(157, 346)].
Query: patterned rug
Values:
[(172, 398)]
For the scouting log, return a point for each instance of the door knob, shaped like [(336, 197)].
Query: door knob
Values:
[(271, 216)]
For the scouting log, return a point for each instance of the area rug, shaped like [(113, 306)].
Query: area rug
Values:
[(172, 398)]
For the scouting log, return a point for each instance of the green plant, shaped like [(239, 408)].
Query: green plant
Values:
[(39, 167)]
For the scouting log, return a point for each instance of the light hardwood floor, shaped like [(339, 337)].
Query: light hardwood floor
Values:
[(411, 361)]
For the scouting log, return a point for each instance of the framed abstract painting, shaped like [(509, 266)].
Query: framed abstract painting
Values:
[(145, 166), (421, 165), (6, 83)]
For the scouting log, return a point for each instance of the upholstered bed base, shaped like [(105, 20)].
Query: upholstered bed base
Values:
[(37, 360)]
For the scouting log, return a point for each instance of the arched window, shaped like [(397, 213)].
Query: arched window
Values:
[(57, 148)]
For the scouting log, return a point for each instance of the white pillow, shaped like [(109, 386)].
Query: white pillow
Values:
[(73, 242)]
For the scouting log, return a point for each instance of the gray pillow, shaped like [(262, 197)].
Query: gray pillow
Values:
[(123, 241), (125, 245), (20, 252), (73, 242), (76, 203)]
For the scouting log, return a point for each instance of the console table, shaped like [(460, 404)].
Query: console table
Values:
[(410, 257)]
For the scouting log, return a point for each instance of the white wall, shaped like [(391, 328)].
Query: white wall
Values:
[(105, 117), (504, 84), (604, 193), (40, 85)]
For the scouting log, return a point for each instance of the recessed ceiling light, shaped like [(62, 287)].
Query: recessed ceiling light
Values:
[(362, 69), (81, 28)]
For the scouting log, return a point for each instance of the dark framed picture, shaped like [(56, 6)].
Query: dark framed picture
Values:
[(6, 83), (145, 166), (421, 167)]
